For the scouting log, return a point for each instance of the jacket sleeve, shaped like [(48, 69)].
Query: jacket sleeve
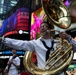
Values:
[(19, 44), (73, 42)]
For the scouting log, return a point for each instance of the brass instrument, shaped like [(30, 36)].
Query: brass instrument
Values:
[(57, 13), (60, 59)]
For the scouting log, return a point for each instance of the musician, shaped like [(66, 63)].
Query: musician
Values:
[(42, 46), (13, 64)]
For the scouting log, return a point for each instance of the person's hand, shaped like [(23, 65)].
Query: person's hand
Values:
[(64, 35), (5, 71), (11, 61), (68, 72)]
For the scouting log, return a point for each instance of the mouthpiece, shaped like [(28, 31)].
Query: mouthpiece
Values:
[(52, 30)]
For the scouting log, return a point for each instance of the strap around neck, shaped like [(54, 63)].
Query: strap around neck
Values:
[(46, 45), (48, 48)]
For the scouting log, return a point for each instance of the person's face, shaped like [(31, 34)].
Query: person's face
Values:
[(13, 51), (43, 28)]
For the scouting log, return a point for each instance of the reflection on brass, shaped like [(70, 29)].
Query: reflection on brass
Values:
[(57, 14)]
